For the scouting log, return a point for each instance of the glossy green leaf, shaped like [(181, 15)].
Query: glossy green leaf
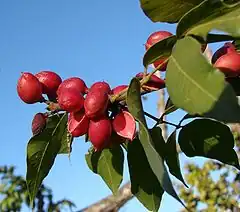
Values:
[(107, 163), (210, 139), (168, 151), (161, 49), (149, 192), (42, 151), (155, 161), (210, 15), (195, 86), (170, 107), (167, 11)]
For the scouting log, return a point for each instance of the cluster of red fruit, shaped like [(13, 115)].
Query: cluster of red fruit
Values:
[(90, 110), (227, 60)]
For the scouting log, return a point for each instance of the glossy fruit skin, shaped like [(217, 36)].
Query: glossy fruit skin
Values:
[(78, 123), (229, 64), (154, 38), (50, 82), (155, 83), (29, 88), (70, 100), (225, 49), (124, 125), (99, 133), (73, 83), (38, 123), (118, 89), (97, 99), (102, 86)]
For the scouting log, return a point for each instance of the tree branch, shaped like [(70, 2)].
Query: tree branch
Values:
[(112, 203)]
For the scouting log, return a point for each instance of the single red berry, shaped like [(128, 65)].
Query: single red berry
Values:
[(225, 49), (29, 88), (156, 37), (125, 125), (100, 132), (38, 123), (78, 124), (73, 83), (50, 82), (70, 100), (229, 64), (118, 89), (97, 100), (102, 86), (153, 39)]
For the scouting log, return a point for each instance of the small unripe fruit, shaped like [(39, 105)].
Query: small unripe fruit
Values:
[(124, 125), (73, 83), (229, 64), (78, 124), (118, 89), (70, 100), (29, 88), (97, 100), (153, 39), (155, 83), (50, 82), (225, 49), (99, 133), (38, 123)]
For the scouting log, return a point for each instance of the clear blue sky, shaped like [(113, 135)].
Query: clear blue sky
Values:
[(95, 40)]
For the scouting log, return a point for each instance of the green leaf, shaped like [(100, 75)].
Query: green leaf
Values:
[(107, 163), (167, 11), (235, 83), (42, 151), (195, 86), (170, 107), (172, 158), (237, 44), (208, 138), (210, 15), (149, 192), (213, 38), (161, 49), (66, 144), (168, 151), (156, 163)]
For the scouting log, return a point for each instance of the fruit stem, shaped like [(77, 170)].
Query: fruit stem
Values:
[(148, 77), (145, 79), (161, 121)]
